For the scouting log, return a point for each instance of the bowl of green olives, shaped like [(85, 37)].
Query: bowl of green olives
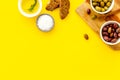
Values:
[(102, 6)]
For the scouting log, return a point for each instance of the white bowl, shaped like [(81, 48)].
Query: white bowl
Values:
[(45, 22), (26, 14), (109, 9), (106, 23)]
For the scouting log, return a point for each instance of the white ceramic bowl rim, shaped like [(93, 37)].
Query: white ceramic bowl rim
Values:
[(109, 9), (26, 14), (106, 23)]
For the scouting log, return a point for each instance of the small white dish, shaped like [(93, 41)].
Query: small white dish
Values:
[(45, 22), (109, 9), (26, 14), (107, 23)]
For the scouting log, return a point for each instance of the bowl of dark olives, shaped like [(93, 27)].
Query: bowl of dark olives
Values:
[(102, 6), (110, 32)]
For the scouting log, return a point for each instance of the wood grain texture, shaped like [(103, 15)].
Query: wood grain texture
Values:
[(96, 23)]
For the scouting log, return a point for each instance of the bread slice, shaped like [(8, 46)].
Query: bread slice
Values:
[(64, 8), (53, 5)]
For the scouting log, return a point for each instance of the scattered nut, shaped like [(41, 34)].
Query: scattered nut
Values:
[(88, 11), (86, 36)]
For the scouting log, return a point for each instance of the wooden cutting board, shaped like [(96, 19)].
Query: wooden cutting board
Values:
[(96, 23)]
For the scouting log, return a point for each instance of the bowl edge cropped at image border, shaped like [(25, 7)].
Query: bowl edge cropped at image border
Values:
[(29, 15), (101, 36), (109, 9)]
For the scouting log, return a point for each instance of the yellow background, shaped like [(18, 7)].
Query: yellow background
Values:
[(62, 54)]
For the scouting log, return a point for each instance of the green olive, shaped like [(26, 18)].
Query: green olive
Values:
[(108, 4), (105, 1), (98, 8), (95, 4), (110, 0), (103, 10), (102, 4), (93, 0), (106, 8), (96, 0), (99, 0), (94, 17)]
